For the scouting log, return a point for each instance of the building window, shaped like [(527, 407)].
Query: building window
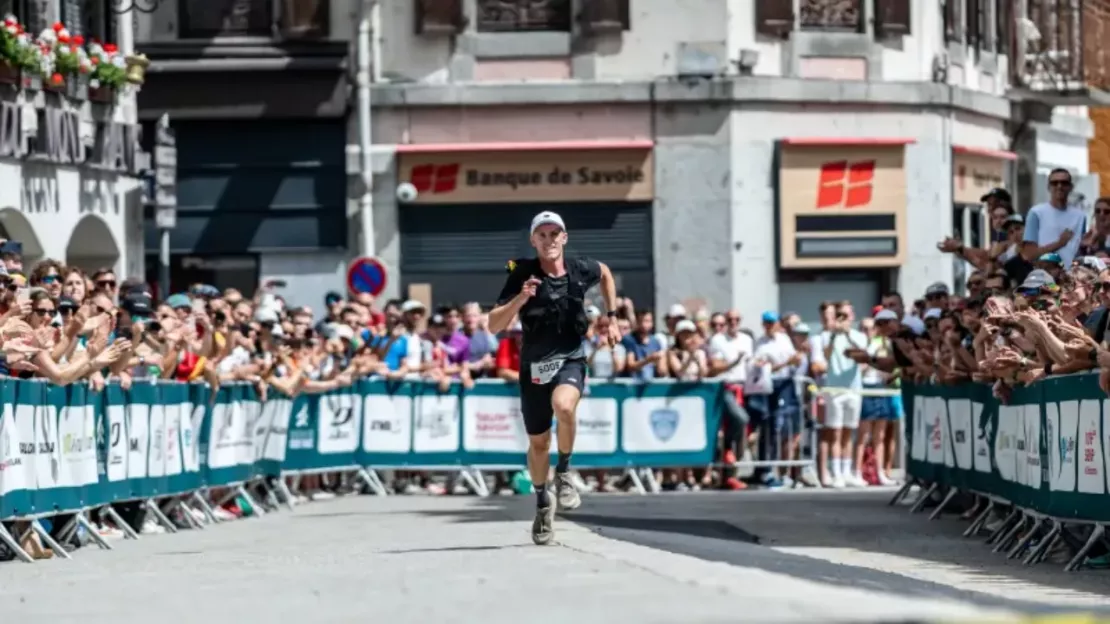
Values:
[(524, 15), (841, 15), (99, 21), (953, 28), (226, 18)]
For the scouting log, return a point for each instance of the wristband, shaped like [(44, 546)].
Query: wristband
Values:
[(611, 314)]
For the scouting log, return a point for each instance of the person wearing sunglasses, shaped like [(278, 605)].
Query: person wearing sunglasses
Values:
[(105, 281), (1055, 226), (48, 276)]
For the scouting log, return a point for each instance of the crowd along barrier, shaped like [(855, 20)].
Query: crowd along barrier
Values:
[(1045, 451), (64, 449)]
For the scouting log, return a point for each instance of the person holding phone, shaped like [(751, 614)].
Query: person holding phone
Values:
[(841, 394)]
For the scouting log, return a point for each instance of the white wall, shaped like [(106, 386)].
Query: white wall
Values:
[(309, 276), (928, 178)]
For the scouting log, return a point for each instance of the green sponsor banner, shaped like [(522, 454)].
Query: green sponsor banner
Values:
[(1045, 449)]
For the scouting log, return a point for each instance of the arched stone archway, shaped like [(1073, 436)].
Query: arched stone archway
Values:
[(91, 246), (15, 226)]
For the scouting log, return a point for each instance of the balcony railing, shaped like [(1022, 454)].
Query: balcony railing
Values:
[(524, 15), (836, 15), (1061, 46)]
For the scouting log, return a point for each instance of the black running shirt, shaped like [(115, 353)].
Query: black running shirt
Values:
[(548, 318)]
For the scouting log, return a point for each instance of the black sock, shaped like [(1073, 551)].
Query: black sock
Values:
[(541, 494), (563, 465)]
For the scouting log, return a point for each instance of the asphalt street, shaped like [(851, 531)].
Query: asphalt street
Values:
[(701, 557)]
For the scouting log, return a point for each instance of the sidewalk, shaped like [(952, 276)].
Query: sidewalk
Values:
[(408, 559)]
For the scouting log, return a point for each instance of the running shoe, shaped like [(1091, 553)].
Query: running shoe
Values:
[(543, 527), (566, 492)]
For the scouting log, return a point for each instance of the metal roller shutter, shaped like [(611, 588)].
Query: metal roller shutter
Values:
[(461, 250)]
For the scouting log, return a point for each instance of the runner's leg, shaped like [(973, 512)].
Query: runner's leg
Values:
[(535, 406), (564, 403)]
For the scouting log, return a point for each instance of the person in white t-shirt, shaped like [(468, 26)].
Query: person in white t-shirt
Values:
[(842, 399), (773, 413), (730, 353)]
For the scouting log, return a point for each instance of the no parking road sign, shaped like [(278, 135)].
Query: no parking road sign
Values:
[(366, 275)]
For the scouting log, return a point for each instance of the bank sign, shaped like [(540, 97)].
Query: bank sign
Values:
[(530, 176), (57, 138)]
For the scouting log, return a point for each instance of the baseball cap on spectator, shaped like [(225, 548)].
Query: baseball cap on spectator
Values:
[(932, 313), (18, 279), (677, 311), (338, 330), (137, 304), (412, 305), (592, 312), (3, 271), (1013, 219), (11, 248), (770, 317), (936, 289), (1051, 258), (801, 329), (685, 326), (1092, 262), (265, 315), (875, 310), (179, 301), (915, 325), (885, 315), (332, 298), (1037, 280), (1000, 194), (547, 218), (67, 303)]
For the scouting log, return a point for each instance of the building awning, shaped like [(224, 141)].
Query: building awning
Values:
[(525, 146), (984, 152), (845, 141)]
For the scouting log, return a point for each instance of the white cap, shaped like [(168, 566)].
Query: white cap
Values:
[(932, 313), (266, 314), (412, 305), (592, 312), (685, 326), (547, 218), (886, 315), (677, 311), (339, 330)]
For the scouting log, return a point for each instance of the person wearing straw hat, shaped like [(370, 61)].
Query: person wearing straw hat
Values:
[(548, 293)]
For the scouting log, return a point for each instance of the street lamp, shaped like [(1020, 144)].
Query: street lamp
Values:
[(126, 6)]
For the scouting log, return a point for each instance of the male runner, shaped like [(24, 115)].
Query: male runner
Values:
[(548, 293)]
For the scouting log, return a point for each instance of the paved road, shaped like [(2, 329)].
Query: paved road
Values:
[(688, 558)]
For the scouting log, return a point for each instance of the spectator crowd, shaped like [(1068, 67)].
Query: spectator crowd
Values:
[(1035, 305)]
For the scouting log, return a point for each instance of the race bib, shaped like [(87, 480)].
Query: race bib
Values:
[(544, 372)]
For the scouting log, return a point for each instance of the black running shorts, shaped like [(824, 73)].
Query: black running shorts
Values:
[(535, 399)]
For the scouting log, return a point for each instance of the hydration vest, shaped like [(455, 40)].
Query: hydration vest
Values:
[(564, 312)]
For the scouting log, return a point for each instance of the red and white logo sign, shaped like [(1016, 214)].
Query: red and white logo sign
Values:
[(845, 184)]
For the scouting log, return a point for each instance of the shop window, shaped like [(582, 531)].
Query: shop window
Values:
[(225, 18), (524, 15)]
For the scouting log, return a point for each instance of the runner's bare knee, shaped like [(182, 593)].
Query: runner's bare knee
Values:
[(565, 401)]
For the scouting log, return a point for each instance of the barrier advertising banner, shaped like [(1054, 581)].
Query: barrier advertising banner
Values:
[(1044, 450), (69, 448)]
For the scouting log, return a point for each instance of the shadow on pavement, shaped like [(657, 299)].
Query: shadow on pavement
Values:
[(745, 529)]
